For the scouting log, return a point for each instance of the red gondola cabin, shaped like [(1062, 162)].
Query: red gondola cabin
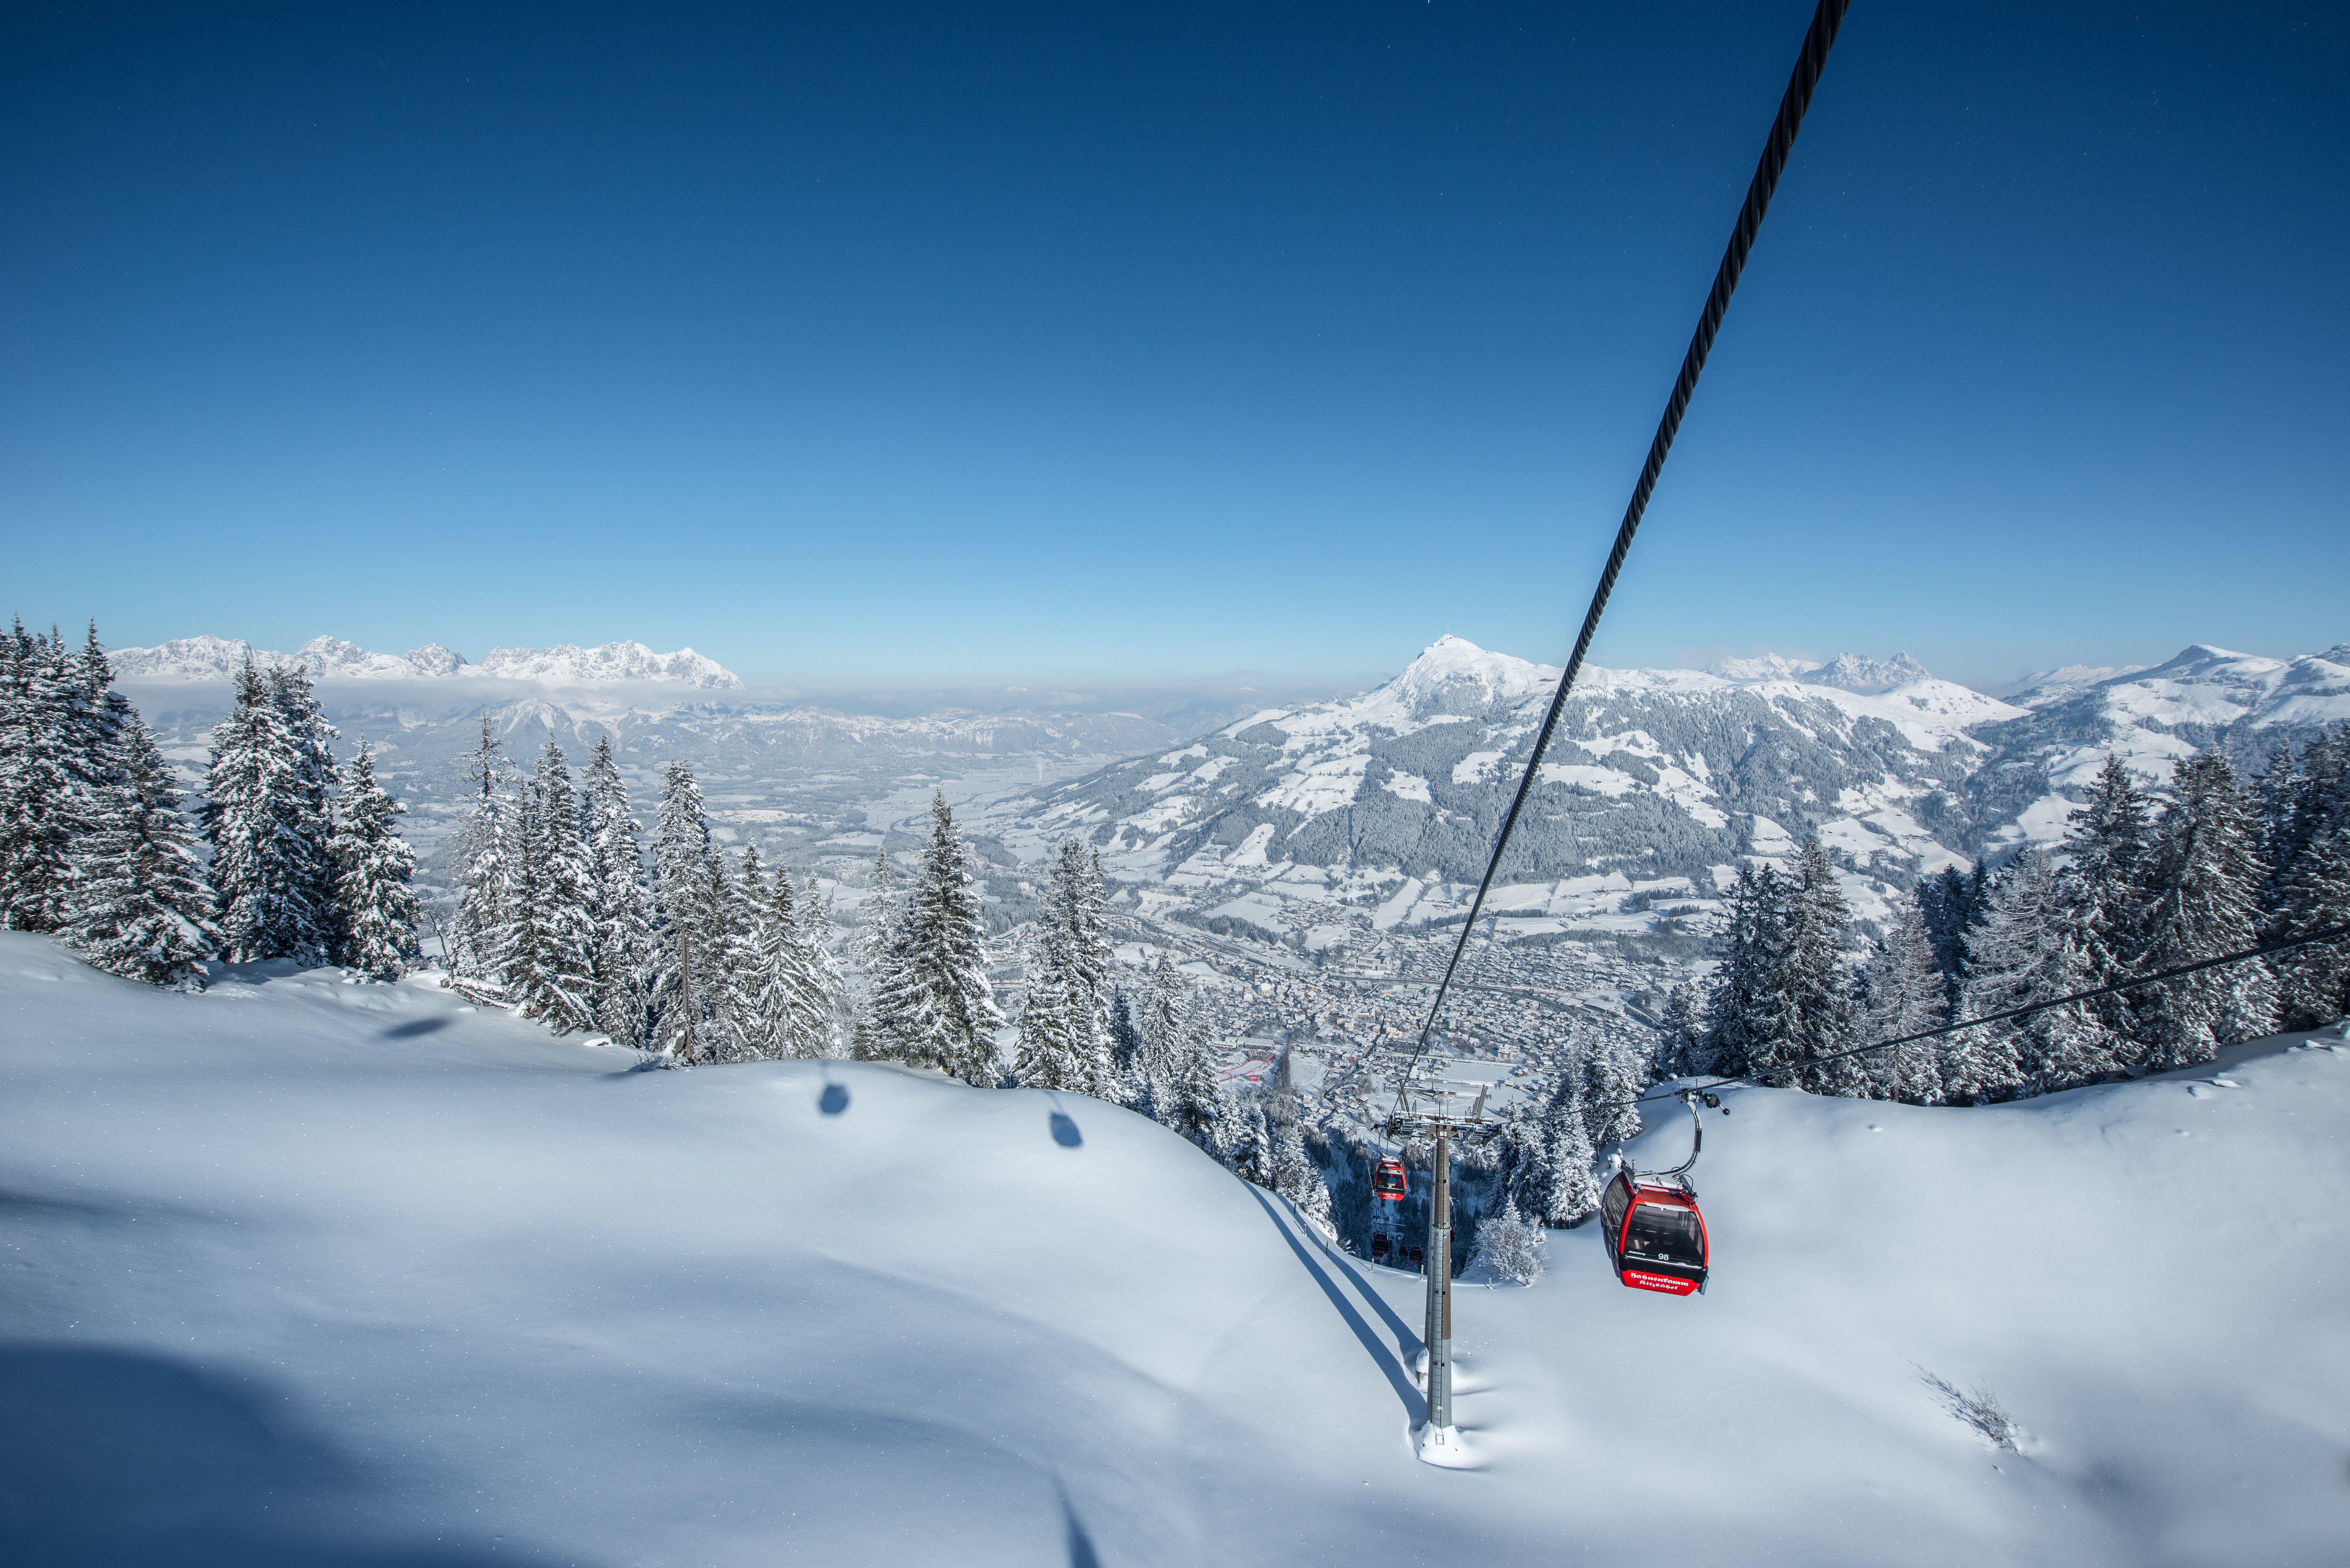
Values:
[(1387, 1182), (1655, 1234)]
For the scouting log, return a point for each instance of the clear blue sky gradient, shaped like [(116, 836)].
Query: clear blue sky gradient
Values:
[(1082, 344)]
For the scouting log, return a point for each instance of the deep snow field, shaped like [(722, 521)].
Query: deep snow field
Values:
[(300, 1271)]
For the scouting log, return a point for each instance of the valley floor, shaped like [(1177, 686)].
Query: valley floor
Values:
[(298, 1272)]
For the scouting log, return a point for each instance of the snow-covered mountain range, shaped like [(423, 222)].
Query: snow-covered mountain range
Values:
[(326, 657), (1659, 782)]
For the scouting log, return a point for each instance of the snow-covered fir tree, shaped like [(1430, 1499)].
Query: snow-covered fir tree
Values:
[(374, 873), (789, 998), (1612, 1080), (1056, 1048), (874, 1034), (481, 860), (1951, 905), (1803, 1013), (824, 972), (2201, 898), (1749, 948), (1681, 1050), (1295, 1174), (141, 907), (1904, 989), (1065, 1038), (1076, 940), (60, 725), (939, 1010), (688, 975), (308, 791), (1174, 1064), (2309, 885), (265, 813), (1553, 1182), (2103, 849), (1248, 1143), (622, 950), (550, 966), (2031, 947)]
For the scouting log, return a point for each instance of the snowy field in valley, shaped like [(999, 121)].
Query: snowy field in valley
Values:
[(306, 1273)]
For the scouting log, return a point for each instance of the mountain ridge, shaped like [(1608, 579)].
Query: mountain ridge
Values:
[(210, 658)]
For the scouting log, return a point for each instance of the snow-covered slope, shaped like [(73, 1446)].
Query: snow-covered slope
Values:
[(326, 658), (306, 1273)]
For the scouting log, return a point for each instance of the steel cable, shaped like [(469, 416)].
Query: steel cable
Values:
[(1814, 58)]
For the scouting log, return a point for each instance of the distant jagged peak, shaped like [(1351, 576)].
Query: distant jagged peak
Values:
[(1870, 677), (209, 658), (1762, 667), (573, 665)]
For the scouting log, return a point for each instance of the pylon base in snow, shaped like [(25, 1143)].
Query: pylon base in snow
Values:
[(1442, 1445)]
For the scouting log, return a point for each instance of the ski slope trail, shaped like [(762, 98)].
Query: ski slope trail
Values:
[(304, 1273)]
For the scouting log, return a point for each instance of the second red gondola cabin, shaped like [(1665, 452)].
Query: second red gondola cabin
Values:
[(1654, 1233)]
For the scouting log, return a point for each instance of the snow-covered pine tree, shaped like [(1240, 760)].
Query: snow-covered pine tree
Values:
[(2028, 950), (1681, 1050), (1804, 1012), (1126, 1039), (836, 1024), (1612, 1081), (941, 1009), (1522, 1149), (1185, 1094), (551, 971), (1295, 1174), (1077, 938), (306, 802), (374, 869), (1154, 1012), (59, 722), (2312, 888), (1569, 1194), (687, 975), (1904, 989), (2103, 850), (1951, 905), (142, 908), (788, 994), (257, 814), (1750, 948), (746, 1031), (2202, 888), (1248, 1147), (1053, 1038), (874, 1037), (621, 949), (481, 862)]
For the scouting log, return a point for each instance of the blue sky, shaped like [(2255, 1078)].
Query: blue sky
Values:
[(874, 346)]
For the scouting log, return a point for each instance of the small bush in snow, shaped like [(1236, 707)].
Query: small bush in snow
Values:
[(1509, 1247), (1977, 1407)]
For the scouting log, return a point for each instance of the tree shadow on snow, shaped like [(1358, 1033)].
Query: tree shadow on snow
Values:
[(1414, 1404), (834, 1100), (1065, 1131), (111, 1460), (415, 1027)]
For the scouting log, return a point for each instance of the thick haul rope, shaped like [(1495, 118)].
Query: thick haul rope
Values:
[(1825, 20)]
